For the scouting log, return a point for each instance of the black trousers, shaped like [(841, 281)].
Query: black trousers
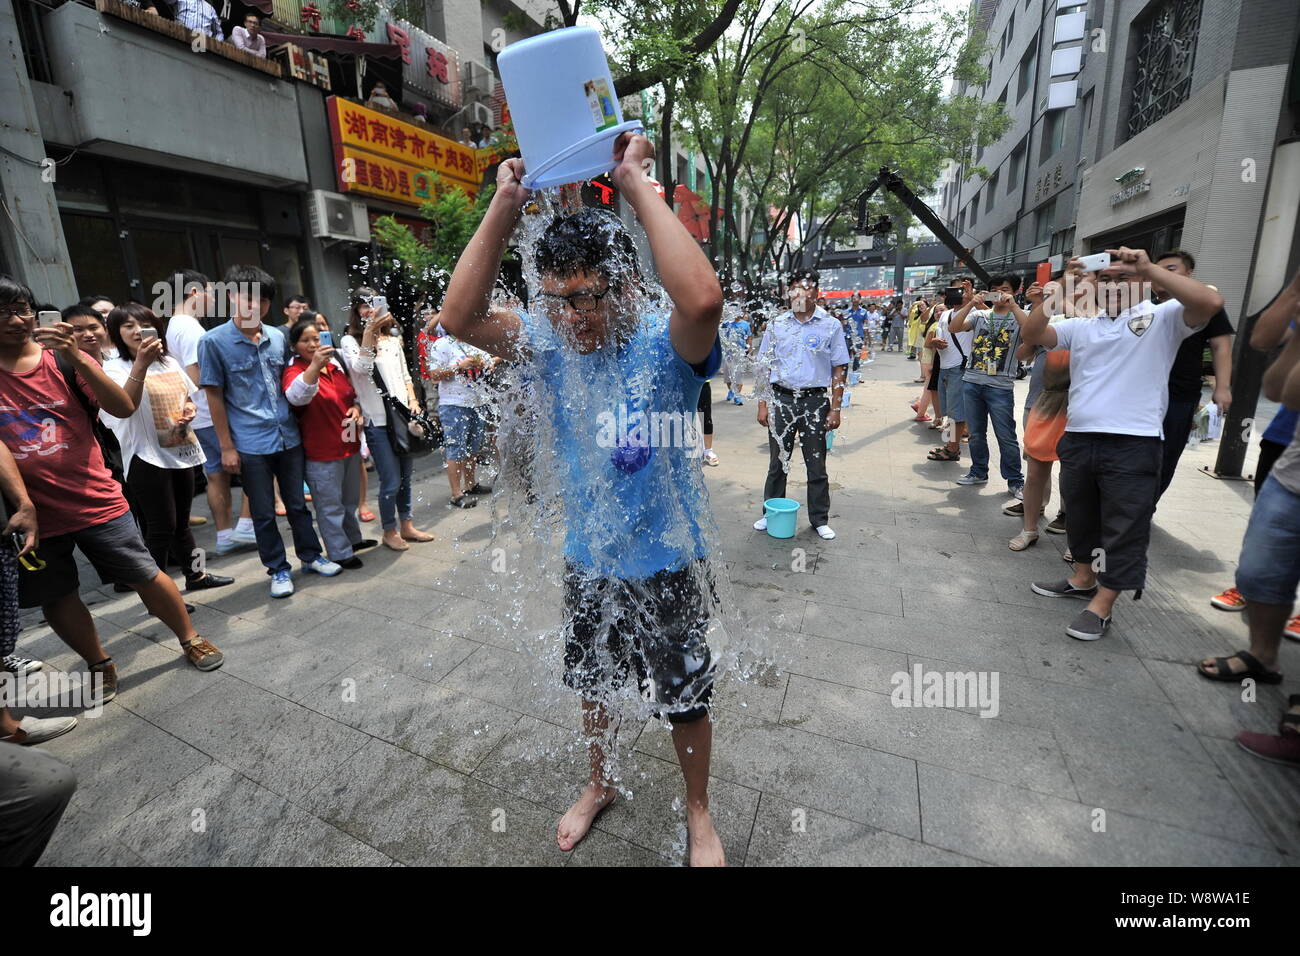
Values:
[(802, 415), (1178, 428), (705, 408), (1109, 483), (165, 496)]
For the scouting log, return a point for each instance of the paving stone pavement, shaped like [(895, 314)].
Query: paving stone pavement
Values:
[(1113, 752)]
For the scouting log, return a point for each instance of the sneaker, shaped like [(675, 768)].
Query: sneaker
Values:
[(202, 654), (1015, 509), (739, 400), (1292, 629), (731, 396), (1229, 600), (20, 665), (1088, 626), (760, 524), (1017, 492), (711, 458), (236, 541), (825, 531), (970, 479), (1062, 588), (281, 584), (1275, 749), (37, 730), (322, 566), (464, 501), (1057, 525)]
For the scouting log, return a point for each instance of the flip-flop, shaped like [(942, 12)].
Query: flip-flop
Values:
[(1254, 669), (366, 515)]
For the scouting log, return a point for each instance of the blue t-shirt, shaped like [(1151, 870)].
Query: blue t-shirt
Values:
[(1282, 427), (250, 379), (622, 426), (859, 316), (736, 334)]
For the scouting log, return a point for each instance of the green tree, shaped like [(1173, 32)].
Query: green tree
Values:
[(426, 262)]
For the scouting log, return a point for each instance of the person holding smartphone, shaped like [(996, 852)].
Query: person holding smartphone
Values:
[(325, 403), (159, 446), (369, 345)]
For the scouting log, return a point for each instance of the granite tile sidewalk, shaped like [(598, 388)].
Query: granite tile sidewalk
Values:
[(368, 720)]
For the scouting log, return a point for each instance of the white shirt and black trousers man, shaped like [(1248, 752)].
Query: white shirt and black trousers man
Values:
[(1112, 447), (800, 358)]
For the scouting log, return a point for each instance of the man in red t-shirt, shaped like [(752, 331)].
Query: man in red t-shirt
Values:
[(47, 427)]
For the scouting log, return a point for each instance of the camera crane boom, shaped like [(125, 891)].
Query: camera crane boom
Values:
[(890, 180)]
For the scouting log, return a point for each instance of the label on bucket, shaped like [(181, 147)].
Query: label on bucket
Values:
[(601, 103)]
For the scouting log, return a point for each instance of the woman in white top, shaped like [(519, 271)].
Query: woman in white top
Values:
[(370, 344), (159, 448)]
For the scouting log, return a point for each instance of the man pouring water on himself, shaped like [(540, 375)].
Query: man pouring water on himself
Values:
[(801, 356), (638, 592)]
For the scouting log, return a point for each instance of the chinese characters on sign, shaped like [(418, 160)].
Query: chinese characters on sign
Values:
[(428, 64), (393, 153), (1049, 182)]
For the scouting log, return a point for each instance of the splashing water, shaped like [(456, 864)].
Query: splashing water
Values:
[(613, 575)]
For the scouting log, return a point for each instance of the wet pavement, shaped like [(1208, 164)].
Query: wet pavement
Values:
[(366, 720)]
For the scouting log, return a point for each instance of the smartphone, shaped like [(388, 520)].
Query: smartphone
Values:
[(1044, 274), (1095, 263), (47, 320), (147, 334), (326, 339), (952, 296), (380, 304)]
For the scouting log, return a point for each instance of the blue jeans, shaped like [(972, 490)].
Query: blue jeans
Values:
[(394, 478), (1268, 570), (258, 473), (980, 403)]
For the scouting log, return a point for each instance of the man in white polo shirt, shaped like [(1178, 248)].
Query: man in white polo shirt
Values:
[(801, 355), (1111, 450)]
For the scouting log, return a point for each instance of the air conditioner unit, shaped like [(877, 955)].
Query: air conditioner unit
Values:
[(337, 217), (479, 79), (480, 113)]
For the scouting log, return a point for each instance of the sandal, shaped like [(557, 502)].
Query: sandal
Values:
[(1289, 726), (942, 453), (1222, 672), (1023, 540), (922, 418), (937, 425)]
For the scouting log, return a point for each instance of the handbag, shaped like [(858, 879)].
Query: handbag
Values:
[(410, 433)]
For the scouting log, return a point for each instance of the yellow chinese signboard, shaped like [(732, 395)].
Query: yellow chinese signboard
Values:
[(383, 156)]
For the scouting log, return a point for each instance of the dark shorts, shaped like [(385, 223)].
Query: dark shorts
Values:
[(114, 548), (657, 625)]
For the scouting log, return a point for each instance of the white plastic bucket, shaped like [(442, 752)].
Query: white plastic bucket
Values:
[(562, 101)]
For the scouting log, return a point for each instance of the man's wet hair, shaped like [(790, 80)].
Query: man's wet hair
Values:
[(1188, 259), (12, 291), (799, 275), (1011, 278), (589, 240), (92, 299)]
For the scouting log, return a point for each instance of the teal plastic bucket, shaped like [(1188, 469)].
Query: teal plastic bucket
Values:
[(830, 439), (782, 516)]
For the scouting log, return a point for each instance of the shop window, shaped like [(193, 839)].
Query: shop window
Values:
[(159, 254)]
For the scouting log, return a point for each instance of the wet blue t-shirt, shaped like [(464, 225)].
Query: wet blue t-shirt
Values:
[(622, 431)]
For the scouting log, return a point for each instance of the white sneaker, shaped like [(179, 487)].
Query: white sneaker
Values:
[(322, 566), (281, 584), (37, 730), (825, 531), (760, 524), (710, 458), (20, 665)]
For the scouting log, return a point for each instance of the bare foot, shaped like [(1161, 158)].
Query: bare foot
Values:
[(706, 846), (394, 540), (575, 824)]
